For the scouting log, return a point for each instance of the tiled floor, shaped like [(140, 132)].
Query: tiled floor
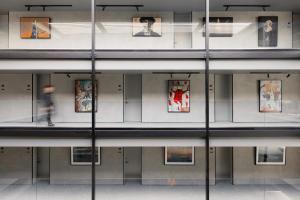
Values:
[(135, 191)]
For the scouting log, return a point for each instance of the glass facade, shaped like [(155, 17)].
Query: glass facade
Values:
[(149, 99)]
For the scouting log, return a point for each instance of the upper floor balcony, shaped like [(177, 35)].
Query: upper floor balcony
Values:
[(148, 25)]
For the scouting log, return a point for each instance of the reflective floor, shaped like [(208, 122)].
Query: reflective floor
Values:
[(135, 191)]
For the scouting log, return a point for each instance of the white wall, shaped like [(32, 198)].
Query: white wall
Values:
[(155, 172), (114, 31), (246, 98), (246, 172), (110, 98), (3, 31), (16, 166), (16, 97), (110, 171), (245, 34), (155, 99), (69, 30)]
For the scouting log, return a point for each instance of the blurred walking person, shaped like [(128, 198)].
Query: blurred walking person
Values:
[(48, 102)]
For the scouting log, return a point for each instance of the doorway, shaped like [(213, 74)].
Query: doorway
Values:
[(224, 165), (132, 164), (43, 164)]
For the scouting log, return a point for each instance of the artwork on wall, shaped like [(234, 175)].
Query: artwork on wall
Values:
[(83, 96), (179, 155), (146, 27), (219, 26), (267, 31), (83, 156), (270, 96), (270, 155), (35, 28), (179, 96)]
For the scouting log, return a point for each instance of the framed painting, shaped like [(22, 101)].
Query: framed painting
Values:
[(179, 96), (179, 155), (267, 31), (83, 96), (219, 26), (270, 156), (35, 28), (146, 27), (270, 96), (83, 156)]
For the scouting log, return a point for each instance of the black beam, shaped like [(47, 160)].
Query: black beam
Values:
[(263, 7), (44, 6), (104, 6), (55, 132)]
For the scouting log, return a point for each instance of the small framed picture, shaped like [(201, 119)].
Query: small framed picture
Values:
[(179, 155), (146, 27), (267, 31), (270, 96), (270, 156), (35, 28), (178, 96), (83, 156)]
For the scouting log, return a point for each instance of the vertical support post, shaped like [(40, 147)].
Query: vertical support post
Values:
[(93, 135), (207, 186)]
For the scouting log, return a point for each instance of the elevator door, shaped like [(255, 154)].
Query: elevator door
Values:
[(132, 164)]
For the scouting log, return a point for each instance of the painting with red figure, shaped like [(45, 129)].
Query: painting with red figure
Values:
[(179, 96)]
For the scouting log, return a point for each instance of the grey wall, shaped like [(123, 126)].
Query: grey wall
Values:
[(114, 31), (223, 97), (246, 98), (69, 30), (155, 172), (16, 165), (16, 97), (246, 172), (155, 99), (110, 98), (109, 172), (245, 33)]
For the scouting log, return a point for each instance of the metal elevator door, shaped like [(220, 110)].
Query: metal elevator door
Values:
[(132, 164)]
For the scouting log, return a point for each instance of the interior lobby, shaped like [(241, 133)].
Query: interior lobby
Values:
[(149, 99)]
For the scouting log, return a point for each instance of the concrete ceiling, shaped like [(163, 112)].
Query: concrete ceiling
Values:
[(156, 5)]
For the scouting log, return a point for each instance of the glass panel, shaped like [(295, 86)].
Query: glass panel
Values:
[(39, 173), (152, 100), (45, 24), (151, 172), (149, 25), (266, 172), (255, 25), (256, 99)]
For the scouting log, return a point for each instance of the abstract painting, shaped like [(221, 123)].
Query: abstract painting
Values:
[(270, 96), (83, 155), (179, 155), (270, 155), (83, 96), (267, 31), (146, 27), (35, 28), (219, 26), (179, 96)]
